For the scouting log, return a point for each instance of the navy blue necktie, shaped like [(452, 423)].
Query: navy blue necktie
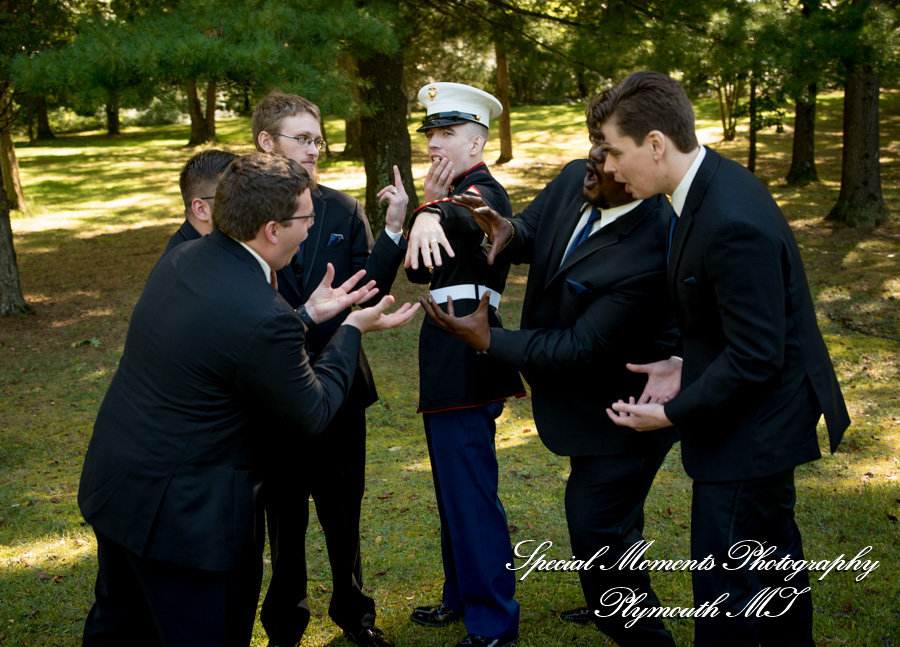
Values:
[(585, 231), (673, 222)]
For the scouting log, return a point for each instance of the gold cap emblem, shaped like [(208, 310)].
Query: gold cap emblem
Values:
[(432, 93)]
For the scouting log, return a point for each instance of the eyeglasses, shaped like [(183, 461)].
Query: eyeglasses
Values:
[(303, 140), (311, 216), (212, 197)]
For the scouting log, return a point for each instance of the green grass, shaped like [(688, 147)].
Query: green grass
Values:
[(100, 211)]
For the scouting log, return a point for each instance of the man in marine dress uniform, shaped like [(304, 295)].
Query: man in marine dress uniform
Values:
[(460, 391)]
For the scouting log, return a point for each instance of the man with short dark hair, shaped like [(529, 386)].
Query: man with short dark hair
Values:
[(756, 376), (595, 299), (461, 392), (212, 357), (198, 180), (331, 469)]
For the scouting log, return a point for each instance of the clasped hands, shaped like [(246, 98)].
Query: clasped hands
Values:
[(327, 301)]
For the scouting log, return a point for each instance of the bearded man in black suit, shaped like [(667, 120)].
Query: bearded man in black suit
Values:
[(756, 376)]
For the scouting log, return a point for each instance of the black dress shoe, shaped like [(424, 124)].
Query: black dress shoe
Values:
[(439, 616), (580, 616), (370, 637), (480, 641)]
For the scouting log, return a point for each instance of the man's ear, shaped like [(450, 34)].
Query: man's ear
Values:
[(657, 141), (270, 230), (201, 209), (266, 141), (477, 145)]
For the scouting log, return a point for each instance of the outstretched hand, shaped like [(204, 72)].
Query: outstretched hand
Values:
[(497, 229), (473, 329), (426, 237), (663, 380), (327, 301), (375, 317)]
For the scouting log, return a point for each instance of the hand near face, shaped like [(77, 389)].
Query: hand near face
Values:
[(438, 179), (327, 301), (473, 329), (397, 199)]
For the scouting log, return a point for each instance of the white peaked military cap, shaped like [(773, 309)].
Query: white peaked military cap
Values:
[(448, 104)]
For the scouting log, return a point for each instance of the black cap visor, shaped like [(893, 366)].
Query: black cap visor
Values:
[(441, 119)]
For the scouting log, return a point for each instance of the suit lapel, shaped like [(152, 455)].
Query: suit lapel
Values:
[(609, 235), (691, 206), (563, 235), (312, 244)]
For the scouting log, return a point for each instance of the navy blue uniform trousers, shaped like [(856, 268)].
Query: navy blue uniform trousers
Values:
[(475, 543)]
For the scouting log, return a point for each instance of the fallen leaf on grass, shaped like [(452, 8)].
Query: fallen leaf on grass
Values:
[(385, 496), (382, 574), (44, 576)]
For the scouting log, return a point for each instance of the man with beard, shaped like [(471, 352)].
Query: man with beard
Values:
[(333, 468), (595, 299)]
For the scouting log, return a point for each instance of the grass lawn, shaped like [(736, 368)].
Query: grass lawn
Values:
[(100, 211)]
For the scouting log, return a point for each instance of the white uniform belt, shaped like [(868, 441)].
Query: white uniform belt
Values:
[(467, 291)]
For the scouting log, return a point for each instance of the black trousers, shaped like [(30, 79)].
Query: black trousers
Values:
[(331, 469), (605, 507), (756, 512), (145, 602)]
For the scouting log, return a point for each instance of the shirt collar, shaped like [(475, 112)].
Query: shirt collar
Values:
[(609, 216), (267, 271), (681, 191)]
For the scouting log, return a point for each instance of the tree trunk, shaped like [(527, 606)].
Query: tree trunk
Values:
[(9, 166), (506, 149), (387, 139), (12, 184), (751, 157), (199, 130), (112, 114), (353, 147), (11, 300), (327, 150), (861, 202), (211, 109), (43, 121), (803, 156)]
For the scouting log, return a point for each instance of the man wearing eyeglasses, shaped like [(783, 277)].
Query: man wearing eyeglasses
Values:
[(332, 470), (171, 486), (198, 180)]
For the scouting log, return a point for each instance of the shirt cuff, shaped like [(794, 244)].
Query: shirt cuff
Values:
[(394, 236)]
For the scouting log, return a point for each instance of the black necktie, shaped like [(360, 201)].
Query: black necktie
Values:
[(673, 222), (585, 231)]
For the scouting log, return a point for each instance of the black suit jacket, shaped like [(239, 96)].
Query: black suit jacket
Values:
[(184, 233), (173, 467), (756, 373), (341, 236), (585, 317)]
